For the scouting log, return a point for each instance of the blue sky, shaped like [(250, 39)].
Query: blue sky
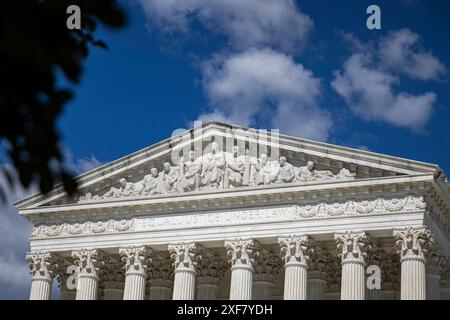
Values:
[(310, 68)]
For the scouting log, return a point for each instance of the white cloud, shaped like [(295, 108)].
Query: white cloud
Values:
[(369, 86), (14, 233), (400, 52), (79, 166), (265, 86), (251, 23)]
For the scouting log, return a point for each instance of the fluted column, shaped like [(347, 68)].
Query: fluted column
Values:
[(185, 255), (266, 268), (160, 279), (88, 263), (42, 273), (445, 279), (320, 260), (334, 275), (433, 277), (375, 258), (136, 260), (242, 258), (352, 247), (295, 254), (66, 275), (411, 243), (211, 269), (390, 275), (112, 278)]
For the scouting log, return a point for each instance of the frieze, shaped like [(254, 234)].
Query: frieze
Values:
[(218, 170), (406, 204)]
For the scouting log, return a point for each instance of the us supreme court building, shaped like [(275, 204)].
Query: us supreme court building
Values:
[(227, 212)]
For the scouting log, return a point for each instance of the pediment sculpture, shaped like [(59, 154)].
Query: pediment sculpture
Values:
[(219, 170)]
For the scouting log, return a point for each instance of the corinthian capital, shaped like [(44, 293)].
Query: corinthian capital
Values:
[(211, 265), (88, 262), (242, 252), (352, 246), (267, 263), (413, 242), (295, 249), (136, 259), (185, 255), (42, 264)]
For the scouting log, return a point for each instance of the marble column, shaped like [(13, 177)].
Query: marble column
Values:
[(352, 251), (42, 273), (266, 269), (334, 275), (445, 280), (136, 260), (411, 243), (160, 279), (390, 275), (211, 269), (113, 279), (185, 255), (88, 263), (295, 254), (319, 261), (375, 258), (242, 258), (433, 277), (66, 275)]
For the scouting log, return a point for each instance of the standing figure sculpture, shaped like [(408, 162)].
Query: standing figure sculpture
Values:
[(213, 165), (286, 172), (190, 172), (234, 171), (167, 179)]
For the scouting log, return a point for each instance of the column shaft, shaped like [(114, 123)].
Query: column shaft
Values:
[(295, 281), (353, 280), (207, 288), (184, 284), (241, 282), (41, 288), (134, 285), (160, 290), (87, 286), (317, 285), (412, 279)]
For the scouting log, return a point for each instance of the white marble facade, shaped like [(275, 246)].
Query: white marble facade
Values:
[(241, 214)]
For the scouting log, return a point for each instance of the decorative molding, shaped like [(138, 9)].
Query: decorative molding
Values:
[(242, 252), (218, 170), (352, 246), (413, 242), (409, 203)]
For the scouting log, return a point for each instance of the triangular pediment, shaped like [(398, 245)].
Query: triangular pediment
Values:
[(327, 163)]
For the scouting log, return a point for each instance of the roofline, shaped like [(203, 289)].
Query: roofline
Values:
[(219, 125)]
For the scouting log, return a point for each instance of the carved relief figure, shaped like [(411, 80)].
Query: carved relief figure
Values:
[(265, 171), (150, 182), (190, 174), (167, 179), (309, 173), (286, 172), (213, 166), (220, 170), (234, 171)]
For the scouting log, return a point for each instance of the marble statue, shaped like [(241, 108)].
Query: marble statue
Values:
[(234, 172), (213, 165), (219, 170), (190, 174), (265, 171), (286, 172)]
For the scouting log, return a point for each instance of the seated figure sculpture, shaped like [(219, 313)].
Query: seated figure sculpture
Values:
[(234, 171), (168, 179), (308, 173), (265, 171), (286, 172), (150, 183)]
